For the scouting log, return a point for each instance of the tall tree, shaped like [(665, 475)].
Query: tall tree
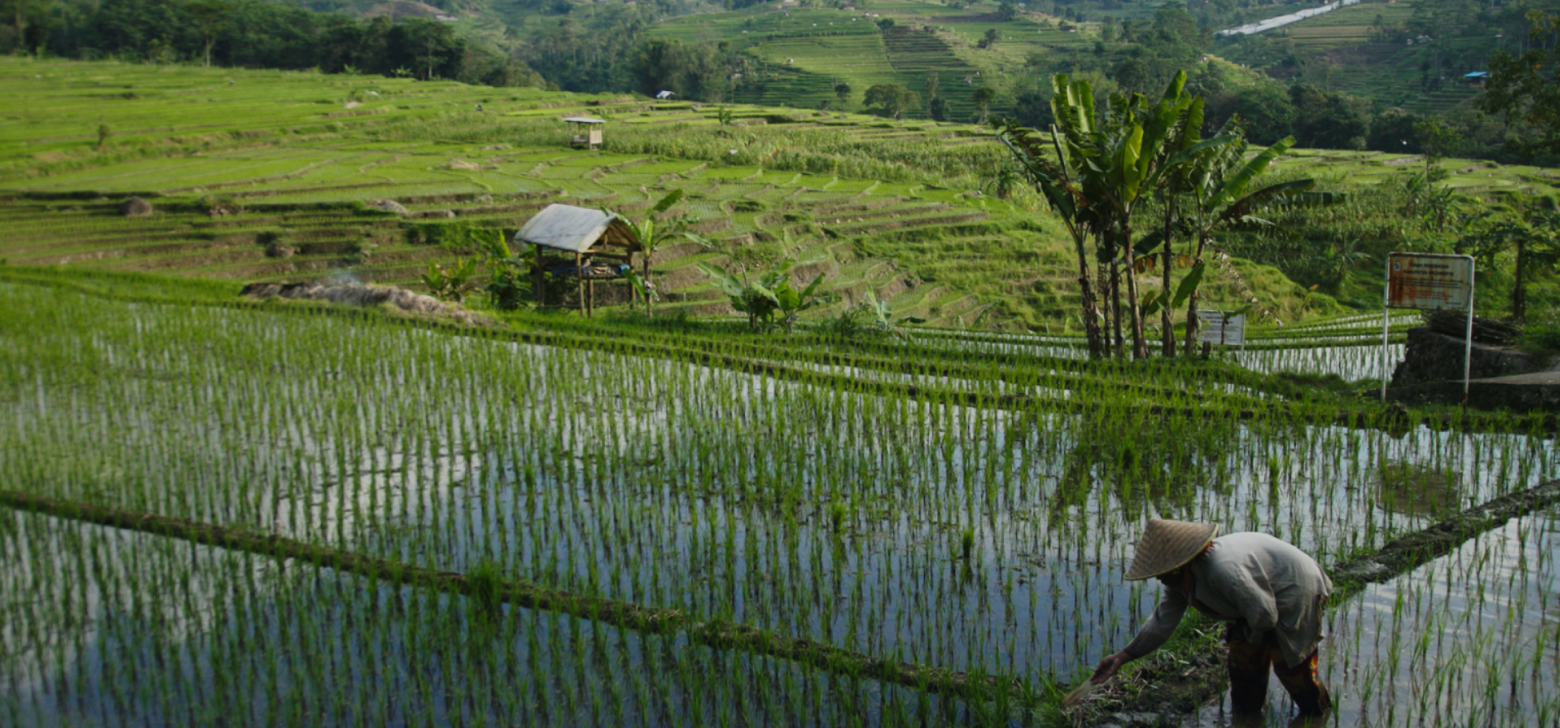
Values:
[(1530, 236), (982, 98), (1106, 161), (893, 98), (1125, 160), (209, 17), (430, 47), (1066, 199), (1526, 88), (31, 20), (1186, 135)]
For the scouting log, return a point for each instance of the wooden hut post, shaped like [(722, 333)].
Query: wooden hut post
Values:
[(539, 281), (579, 261), (649, 307)]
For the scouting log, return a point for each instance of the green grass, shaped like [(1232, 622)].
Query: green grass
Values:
[(1361, 15)]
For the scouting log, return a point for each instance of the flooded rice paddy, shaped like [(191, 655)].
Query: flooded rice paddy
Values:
[(965, 537), (1470, 639)]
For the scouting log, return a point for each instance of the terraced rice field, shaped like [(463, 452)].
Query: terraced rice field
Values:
[(583, 548), (917, 54), (309, 188), (809, 51), (934, 245), (1487, 180), (226, 512), (813, 217)]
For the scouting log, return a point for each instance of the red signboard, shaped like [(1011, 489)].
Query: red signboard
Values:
[(1428, 281)]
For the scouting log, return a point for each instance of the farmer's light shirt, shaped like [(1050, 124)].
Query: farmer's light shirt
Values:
[(1254, 577)]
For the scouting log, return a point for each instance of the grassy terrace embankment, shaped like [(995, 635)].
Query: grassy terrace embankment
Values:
[(264, 176)]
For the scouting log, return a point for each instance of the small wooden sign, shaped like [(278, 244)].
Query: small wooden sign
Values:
[(1217, 327)]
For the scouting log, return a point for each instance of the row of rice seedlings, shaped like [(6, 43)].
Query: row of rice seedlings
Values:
[(960, 536), (1351, 362), (1470, 639), (1363, 361), (126, 629)]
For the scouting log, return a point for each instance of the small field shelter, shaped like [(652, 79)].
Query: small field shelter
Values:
[(585, 131), (602, 246)]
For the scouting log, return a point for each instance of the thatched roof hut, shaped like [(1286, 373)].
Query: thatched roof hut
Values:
[(602, 245), (579, 230)]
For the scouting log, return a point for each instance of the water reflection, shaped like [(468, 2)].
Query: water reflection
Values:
[(1472, 638)]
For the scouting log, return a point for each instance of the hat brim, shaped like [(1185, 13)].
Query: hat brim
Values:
[(1167, 546)]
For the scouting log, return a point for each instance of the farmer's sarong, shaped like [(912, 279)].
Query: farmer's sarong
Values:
[(1249, 664)]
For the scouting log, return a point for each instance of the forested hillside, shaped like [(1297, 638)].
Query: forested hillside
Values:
[(1390, 77)]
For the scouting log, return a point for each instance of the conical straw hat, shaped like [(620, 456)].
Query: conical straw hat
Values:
[(1168, 545)]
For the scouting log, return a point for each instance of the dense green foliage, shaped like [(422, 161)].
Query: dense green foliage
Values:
[(258, 34), (1525, 88)]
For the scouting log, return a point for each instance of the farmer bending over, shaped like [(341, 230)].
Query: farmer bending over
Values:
[(1269, 594)]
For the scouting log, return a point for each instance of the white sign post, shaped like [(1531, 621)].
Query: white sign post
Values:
[(1428, 282), (1218, 327)]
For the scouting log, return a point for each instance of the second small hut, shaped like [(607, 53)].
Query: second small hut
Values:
[(601, 244)]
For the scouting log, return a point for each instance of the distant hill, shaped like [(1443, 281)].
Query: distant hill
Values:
[(1411, 54)]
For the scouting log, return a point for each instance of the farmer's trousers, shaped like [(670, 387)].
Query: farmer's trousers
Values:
[(1249, 665)]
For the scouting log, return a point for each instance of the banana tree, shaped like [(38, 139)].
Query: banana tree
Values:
[(1183, 146), (507, 273), (652, 236), (763, 297), (793, 302), (1217, 181), (452, 283), (883, 316), (1132, 149), (1064, 198)]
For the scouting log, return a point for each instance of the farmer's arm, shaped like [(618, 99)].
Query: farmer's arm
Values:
[(1154, 633)]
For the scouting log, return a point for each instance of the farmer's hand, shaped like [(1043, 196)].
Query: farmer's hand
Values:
[(1108, 667)]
